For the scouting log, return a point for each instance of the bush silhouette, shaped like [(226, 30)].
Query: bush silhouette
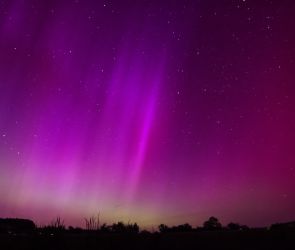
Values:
[(184, 228), (180, 228), (288, 226), (56, 226), (120, 227), (92, 223), (163, 228), (105, 228), (212, 224), (233, 226)]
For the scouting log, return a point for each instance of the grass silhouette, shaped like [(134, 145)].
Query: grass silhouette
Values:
[(23, 234)]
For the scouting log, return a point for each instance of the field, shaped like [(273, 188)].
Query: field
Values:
[(250, 240)]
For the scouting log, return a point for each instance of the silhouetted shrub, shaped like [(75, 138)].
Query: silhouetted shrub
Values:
[(75, 229), (145, 232), (184, 228), (180, 228), (212, 224), (163, 228), (133, 228), (92, 223), (56, 226), (58, 223), (105, 228), (289, 226), (120, 227), (244, 228), (233, 226)]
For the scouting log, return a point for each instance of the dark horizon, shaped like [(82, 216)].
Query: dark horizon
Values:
[(94, 223), (23, 234)]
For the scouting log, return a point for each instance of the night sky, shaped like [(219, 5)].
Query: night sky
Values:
[(148, 111)]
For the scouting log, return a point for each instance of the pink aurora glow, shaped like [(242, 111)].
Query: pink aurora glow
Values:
[(150, 111)]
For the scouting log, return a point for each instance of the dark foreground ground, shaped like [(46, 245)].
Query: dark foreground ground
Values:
[(250, 240)]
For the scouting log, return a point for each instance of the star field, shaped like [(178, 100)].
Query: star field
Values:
[(148, 111)]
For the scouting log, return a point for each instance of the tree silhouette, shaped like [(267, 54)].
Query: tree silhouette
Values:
[(212, 224), (163, 228), (133, 228), (120, 227), (185, 227), (105, 228), (233, 226)]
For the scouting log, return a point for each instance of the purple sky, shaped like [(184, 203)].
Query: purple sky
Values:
[(148, 111)]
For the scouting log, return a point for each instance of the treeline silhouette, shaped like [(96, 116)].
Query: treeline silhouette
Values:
[(23, 234), (15, 225)]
